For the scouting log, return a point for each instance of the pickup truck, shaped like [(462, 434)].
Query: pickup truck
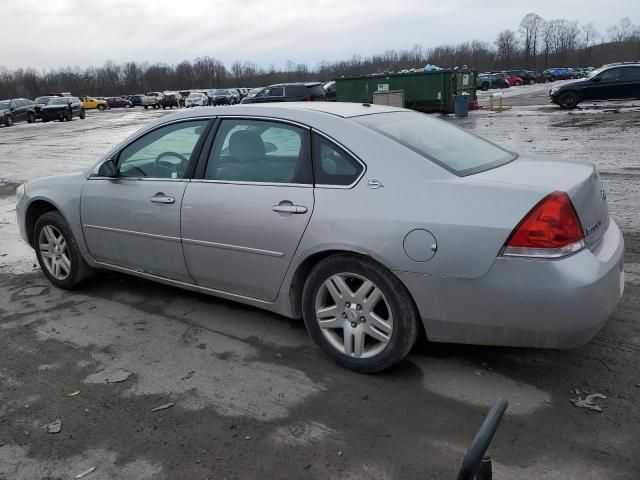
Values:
[(142, 100), (158, 96)]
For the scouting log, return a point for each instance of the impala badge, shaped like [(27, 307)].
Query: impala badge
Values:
[(594, 227), (375, 183)]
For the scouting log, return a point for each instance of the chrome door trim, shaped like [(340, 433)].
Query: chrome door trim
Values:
[(145, 179), (237, 248), (133, 232), (178, 283), (351, 154)]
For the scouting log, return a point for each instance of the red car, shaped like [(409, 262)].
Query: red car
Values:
[(118, 102), (511, 79)]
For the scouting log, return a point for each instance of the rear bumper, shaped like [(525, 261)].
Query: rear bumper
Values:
[(525, 302)]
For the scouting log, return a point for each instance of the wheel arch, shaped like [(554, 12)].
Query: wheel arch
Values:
[(296, 284), (35, 210)]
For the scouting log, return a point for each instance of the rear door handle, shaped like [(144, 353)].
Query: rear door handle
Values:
[(161, 198), (289, 208)]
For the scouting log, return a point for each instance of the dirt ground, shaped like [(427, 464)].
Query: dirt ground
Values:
[(254, 398)]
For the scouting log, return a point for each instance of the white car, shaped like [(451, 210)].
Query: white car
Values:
[(197, 99)]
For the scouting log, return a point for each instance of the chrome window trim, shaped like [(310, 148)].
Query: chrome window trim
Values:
[(116, 154), (236, 248), (264, 184), (350, 153), (258, 117), (134, 233), (144, 179)]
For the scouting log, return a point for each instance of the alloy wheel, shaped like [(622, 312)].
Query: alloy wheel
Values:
[(54, 252), (354, 315)]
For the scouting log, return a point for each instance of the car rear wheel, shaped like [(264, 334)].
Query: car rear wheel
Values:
[(146, 107), (484, 87), (68, 115), (31, 117), (58, 253), (518, 83), (83, 114), (100, 107), (568, 100), (8, 122), (359, 313)]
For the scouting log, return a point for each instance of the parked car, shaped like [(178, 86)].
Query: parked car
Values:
[(197, 99), (119, 102), (141, 100), (39, 102), (183, 96), (514, 80), (345, 240), (560, 74), (223, 96), (527, 77), (330, 91), (539, 75), (62, 109), (16, 110), (171, 100), (158, 96), (290, 92), (89, 103), (254, 91), (487, 81), (618, 81)]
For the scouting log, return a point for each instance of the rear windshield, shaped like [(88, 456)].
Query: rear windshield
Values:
[(444, 144)]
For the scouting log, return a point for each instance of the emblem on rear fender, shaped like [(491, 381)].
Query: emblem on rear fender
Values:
[(593, 227)]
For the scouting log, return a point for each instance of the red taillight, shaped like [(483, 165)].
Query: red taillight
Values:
[(551, 229)]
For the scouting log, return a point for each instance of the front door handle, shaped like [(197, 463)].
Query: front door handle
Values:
[(162, 198), (287, 208)]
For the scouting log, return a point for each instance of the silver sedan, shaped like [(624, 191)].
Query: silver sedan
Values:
[(372, 223)]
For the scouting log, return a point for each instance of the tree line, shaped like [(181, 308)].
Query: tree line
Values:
[(536, 43)]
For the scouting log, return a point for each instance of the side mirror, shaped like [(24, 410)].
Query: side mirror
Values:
[(108, 169)]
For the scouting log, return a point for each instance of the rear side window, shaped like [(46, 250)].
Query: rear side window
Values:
[(332, 165), (446, 145), (631, 73)]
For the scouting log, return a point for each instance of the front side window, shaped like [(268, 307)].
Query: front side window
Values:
[(610, 75), (446, 145), (162, 153), (260, 151), (332, 165)]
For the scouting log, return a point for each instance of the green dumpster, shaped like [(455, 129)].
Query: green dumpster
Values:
[(423, 91)]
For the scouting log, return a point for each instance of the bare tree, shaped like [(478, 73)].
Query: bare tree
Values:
[(507, 45), (621, 32), (530, 28)]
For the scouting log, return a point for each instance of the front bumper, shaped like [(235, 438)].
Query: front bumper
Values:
[(525, 302), (57, 114)]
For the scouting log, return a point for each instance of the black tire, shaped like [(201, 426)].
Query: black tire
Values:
[(405, 316), (31, 117), (568, 100), (484, 87), (44, 120), (553, 79), (79, 270), (100, 107), (68, 115), (8, 121), (164, 107), (83, 114), (146, 107)]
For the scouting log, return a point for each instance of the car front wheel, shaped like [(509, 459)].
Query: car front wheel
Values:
[(359, 313), (58, 253), (8, 121), (568, 100)]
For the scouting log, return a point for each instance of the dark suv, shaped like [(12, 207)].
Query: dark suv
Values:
[(289, 92), (610, 82), (62, 108), (16, 110)]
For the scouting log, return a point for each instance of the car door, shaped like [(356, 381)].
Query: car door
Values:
[(20, 110), (272, 94), (631, 82), (131, 218), (243, 220), (607, 85)]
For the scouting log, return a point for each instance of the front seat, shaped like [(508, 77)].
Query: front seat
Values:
[(246, 149)]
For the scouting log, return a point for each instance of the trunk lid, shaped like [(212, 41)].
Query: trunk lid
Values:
[(581, 181)]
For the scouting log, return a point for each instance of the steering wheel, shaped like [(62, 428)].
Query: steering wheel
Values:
[(184, 161)]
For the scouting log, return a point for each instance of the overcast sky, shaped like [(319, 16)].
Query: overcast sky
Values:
[(53, 33)]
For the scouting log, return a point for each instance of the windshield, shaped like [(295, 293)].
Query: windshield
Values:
[(44, 100), (222, 92), (59, 101), (4, 104), (195, 95), (593, 73), (446, 145)]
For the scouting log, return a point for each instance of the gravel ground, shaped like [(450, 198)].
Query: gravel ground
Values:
[(254, 398)]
